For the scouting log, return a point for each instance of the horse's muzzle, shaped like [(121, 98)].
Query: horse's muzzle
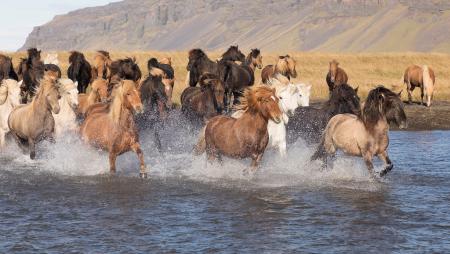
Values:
[(138, 110)]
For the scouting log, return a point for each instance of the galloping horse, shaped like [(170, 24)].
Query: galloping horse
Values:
[(309, 123), (102, 63), (31, 70), (365, 135), (246, 136), (199, 64), (422, 77), (154, 100), (167, 73), (79, 70), (9, 99), (125, 69), (239, 77), (205, 101), (65, 120), (336, 76), (98, 93), (285, 66), (34, 122), (113, 129), (7, 69)]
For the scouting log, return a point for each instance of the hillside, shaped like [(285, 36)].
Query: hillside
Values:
[(290, 25)]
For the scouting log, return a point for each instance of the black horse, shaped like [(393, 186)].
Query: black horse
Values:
[(79, 70), (126, 69), (31, 70), (309, 123), (7, 69), (199, 64)]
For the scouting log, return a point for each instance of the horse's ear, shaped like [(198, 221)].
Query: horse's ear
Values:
[(356, 89), (281, 57), (287, 55), (400, 93)]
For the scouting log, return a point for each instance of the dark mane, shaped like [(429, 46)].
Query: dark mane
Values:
[(344, 99), (104, 53), (375, 106), (196, 53), (253, 54), (33, 53)]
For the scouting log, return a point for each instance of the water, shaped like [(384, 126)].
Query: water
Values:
[(64, 202)]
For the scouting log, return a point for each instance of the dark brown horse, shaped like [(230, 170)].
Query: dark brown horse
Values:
[(126, 69), (31, 70), (203, 102), (286, 66), (168, 75), (308, 123), (79, 70), (336, 76), (7, 69)]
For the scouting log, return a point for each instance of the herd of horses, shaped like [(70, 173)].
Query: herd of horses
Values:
[(108, 103)]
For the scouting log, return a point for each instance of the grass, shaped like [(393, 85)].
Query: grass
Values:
[(365, 70)]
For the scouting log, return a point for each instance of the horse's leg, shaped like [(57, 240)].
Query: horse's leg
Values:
[(2, 138), (368, 160), (32, 147), (409, 88), (136, 147), (421, 94), (236, 96), (112, 162), (256, 159), (229, 94), (157, 138), (387, 162)]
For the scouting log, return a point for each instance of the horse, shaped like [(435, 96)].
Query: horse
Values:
[(65, 120), (31, 70), (125, 69), (34, 122), (336, 76), (51, 58), (239, 77), (365, 135), (199, 64), (9, 99), (52, 69), (101, 66), (167, 73), (203, 102), (98, 93), (285, 66), (114, 129), (7, 69), (154, 99), (309, 122), (423, 77), (246, 136), (79, 70)]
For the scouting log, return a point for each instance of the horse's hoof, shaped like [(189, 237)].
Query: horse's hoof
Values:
[(143, 175)]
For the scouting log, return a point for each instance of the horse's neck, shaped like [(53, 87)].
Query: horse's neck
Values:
[(119, 114), (40, 107), (208, 94), (380, 129), (92, 98), (65, 108)]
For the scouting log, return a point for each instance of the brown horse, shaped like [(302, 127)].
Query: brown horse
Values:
[(205, 101), (246, 136), (7, 69), (34, 122), (113, 129), (285, 66), (98, 93), (167, 74), (365, 135), (336, 76), (102, 63), (423, 77)]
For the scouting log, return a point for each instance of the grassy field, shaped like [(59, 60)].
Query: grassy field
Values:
[(364, 70)]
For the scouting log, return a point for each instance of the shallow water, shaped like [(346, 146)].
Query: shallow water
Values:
[(63, 202)]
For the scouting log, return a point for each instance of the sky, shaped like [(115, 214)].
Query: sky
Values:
[(20, 16)]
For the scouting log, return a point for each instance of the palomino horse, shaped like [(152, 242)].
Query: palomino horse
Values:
[(199, 64), (31, 70), (79, 70), (7, 69), (365, 135), (309, 122), (203, 102), (423, 77), (102, 63), (239, 77), (34, 122), (9, 99), (113, 129), (51, 58), (65, 120), (285, 66), (125, 69), (246, 136), (167, 74), (98, 93), (336, 76)]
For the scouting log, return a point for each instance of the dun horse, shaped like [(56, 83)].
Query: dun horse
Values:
[(246, 136), (98, 93), (65, 120), (285, 66), (9, 99), (101, 66), (79, 70), (34, 122), (336, 76), (113, 129), (423, 77), (365, 135)]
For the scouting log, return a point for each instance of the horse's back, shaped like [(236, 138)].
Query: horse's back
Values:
[(413, 74), (266, 73)]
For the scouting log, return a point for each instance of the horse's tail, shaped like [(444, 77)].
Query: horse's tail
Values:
[(427, 84), (200, 147)]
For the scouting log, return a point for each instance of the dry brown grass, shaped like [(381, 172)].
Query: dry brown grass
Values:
[(365, 70)]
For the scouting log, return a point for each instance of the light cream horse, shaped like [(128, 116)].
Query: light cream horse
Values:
[(9, 99), (34, 122), (51, 58), (65, 121)]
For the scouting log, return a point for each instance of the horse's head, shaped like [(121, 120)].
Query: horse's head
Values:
[(129, 69), (48, 88), (68, 90), (255, 58), (131, 96), (304, 94), (233, 54), (345, 99), (12, 91), (382, 102), (287, 66), (288, 98), (262, 100), (100, 88), (194, 56), (166, 60), (33, 53), (333, 70), (218, 90)]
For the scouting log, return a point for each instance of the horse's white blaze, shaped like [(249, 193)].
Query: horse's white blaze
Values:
[(66, 119), (11, 90)]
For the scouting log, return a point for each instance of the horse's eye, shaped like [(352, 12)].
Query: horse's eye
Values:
[(281, 98), (59, 97)]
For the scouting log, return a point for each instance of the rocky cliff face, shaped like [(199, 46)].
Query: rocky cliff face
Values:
[(322, 25)]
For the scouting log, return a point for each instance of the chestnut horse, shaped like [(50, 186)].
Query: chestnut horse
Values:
[(246, 136), (423, 77), (336, 76), (113, 128), (98, 93), (101, 66), (365, 135), (285, 66), (34, 122)]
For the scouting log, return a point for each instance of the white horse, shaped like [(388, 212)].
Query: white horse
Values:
[(65, 121), (51, 58), (9, 99)]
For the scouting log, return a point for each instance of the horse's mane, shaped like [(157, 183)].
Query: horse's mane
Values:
[(65, 85), (253, 54), (373, 108), (251, 100), (104, 53), (285, 64), (76, 56), (427, 81), (33, 53), (119, 91), (196, 53)]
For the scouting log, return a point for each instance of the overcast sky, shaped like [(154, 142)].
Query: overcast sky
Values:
[(20, 16)]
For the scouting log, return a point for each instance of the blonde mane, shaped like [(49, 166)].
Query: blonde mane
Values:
[(66, 85), (157, 72), (119, 91), (285, 65), (253, 97)]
